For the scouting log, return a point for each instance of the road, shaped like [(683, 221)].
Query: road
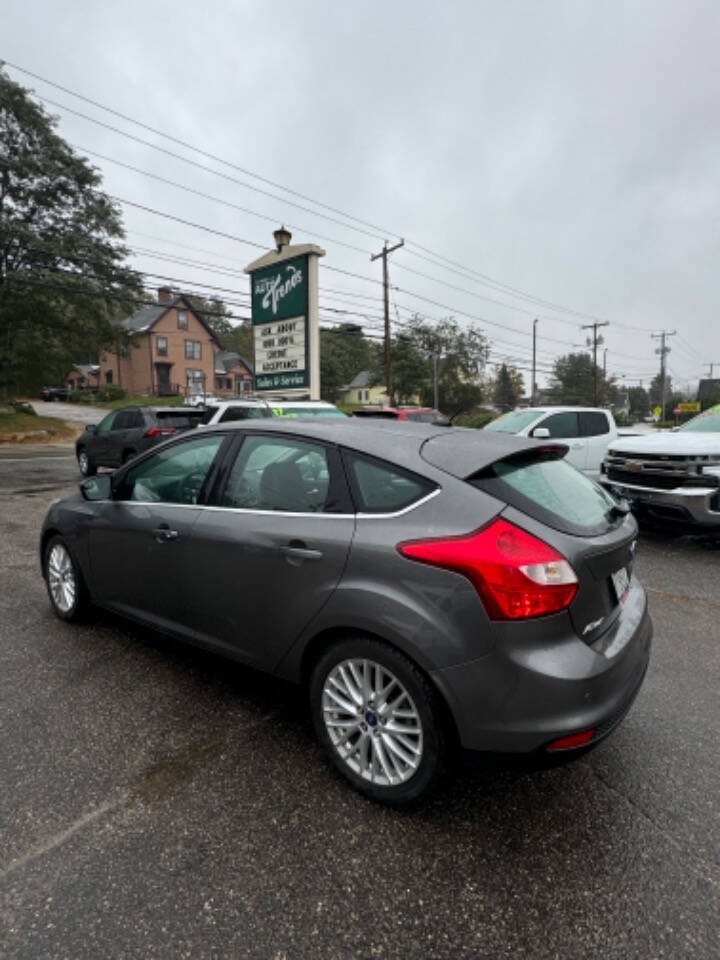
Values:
[(77, 412), (158, 802)]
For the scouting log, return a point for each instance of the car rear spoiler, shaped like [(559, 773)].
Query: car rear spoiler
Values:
[(463, 452)]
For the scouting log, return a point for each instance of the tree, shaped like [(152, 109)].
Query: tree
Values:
[(572, 380), (344, 353), (508, 388), (462, 356), (62, 273), (639, 402)]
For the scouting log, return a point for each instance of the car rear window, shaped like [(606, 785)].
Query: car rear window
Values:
[(380, 487), (243, 413), (179, 419), (548, 489), (309, 411)]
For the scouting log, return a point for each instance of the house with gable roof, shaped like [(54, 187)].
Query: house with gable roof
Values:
[(173, 351)]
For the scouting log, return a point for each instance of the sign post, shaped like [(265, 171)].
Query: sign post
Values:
[(286, 326)]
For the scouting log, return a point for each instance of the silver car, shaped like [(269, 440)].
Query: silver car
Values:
[(430, 586)]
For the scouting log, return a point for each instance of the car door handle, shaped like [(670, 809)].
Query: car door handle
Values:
[(296, 551), (164, 533)]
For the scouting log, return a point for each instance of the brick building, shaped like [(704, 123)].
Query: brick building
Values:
[(173, 350)]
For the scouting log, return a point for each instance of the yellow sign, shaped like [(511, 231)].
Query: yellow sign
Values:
[(657, 411), (689, 407)]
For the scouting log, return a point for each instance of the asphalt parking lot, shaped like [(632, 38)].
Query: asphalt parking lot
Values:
[(159, 802)]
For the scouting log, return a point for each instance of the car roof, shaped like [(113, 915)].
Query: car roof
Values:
[(549, 408), (455, 450), (240, 402)]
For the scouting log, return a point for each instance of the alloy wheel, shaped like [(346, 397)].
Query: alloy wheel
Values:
[(372, 722), (61, 578), (83, 462)]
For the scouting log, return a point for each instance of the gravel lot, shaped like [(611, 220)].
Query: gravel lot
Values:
[(158, 802)]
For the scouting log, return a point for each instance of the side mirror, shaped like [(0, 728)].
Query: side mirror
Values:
[(97, 488), (91, 428), (541, 433)]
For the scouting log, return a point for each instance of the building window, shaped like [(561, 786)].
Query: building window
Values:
[(360, 395), (162, 346), (223, 383), (108, 376), (367, 394), (193, 350), (182, 319)]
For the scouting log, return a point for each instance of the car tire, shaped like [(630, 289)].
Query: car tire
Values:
[(392, 754), (86, 464), (63, 580)]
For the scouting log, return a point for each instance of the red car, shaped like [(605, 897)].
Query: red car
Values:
[(418, 414)]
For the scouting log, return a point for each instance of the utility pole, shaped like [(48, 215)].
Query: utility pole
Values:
[(595, 341), (436, 390), (532, 389), (712, 366), (386, 297), (663, 351), (605, 363)]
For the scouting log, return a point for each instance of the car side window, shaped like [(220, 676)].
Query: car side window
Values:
[(107, 423), (381, 487), (279, 473), (126, 419), (237, 413), (593, 424), (173, 475), (561, 425)]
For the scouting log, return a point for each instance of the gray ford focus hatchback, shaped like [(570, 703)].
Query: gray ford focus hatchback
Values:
[(432, 587)]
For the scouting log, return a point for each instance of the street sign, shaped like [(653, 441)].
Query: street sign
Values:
[(689, 407), (280, 325), (657, 411)]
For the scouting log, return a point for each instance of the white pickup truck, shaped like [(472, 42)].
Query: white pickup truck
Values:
[(586, 430), (672, 476)]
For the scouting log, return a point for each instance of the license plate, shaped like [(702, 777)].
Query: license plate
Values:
[(621, 583)]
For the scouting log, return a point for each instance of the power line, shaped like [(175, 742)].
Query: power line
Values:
[(446, 262)]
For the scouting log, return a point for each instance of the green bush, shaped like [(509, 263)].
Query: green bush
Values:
[(624, 420), (664, 424), (22, 406), (477, 418), (109, 393), (81, 396)]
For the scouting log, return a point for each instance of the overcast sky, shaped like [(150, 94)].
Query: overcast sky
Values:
[(570, 150)]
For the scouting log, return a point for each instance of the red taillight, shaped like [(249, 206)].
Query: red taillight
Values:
[(517, 575), (158, 431), (574, 740)]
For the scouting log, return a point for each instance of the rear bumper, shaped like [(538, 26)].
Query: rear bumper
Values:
[(685, 506), (517, 700)]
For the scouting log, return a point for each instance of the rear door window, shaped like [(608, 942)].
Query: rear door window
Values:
[(283, 474), (548, 489), (593, 424), (380, 487), (561, 425)]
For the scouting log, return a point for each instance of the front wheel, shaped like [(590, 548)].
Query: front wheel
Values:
[(85, 464), (64, 583), (379, 719)]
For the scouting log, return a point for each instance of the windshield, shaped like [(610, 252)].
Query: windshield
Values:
[(708, 422), (548, 489), (307, 412), (514, 421)]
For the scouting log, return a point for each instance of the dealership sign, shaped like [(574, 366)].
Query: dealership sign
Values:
[(280, 325)]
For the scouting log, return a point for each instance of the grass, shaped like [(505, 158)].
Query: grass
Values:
[(138, 401), (12, 423)]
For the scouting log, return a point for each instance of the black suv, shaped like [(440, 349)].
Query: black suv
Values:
[(54, 393), (125, 433)]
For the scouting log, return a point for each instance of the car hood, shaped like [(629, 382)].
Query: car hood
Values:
[(674, 444)]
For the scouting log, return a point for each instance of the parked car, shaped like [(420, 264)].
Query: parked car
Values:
[(303, 408), (672, 476), (124, 433), (49, 394), (587, 430), (414, 414), (428, 586), (224, 411)]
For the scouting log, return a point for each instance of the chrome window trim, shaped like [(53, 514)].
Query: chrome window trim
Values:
[(281, 513)]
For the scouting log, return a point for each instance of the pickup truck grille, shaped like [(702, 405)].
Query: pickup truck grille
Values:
[(661, 471)]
